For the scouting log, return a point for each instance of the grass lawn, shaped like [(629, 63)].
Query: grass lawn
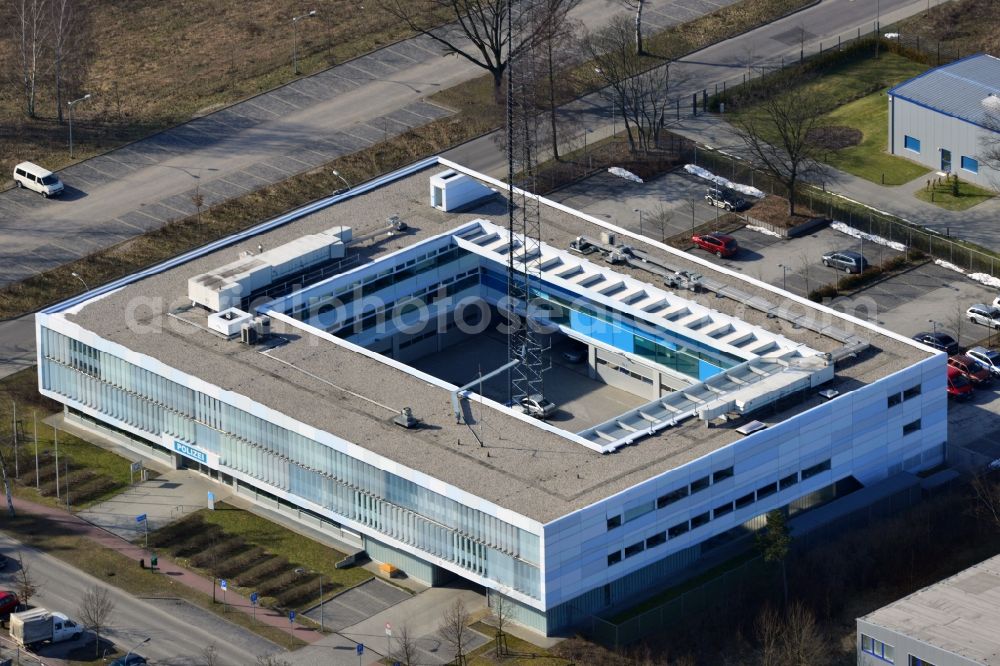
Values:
[(109, 472), (942, 195), (117, 570), (519, 652), (869, 159)]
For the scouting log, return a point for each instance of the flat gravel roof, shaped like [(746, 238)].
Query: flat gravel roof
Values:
[(521, 467)]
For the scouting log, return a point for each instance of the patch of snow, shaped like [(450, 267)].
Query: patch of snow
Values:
[(891, 35), (624, 173), (723, 182), (762, 230), (982, 278), (871, 238)]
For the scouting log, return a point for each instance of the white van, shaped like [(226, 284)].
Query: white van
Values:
[(38, 179)]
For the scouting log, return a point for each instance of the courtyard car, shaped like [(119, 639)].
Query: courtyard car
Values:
[(988, 358), (971, 368), (537, 406), (938, 340), (576, 352), (129, 660), (721, 197), (720, 245), (987, 315), (8, 604), (845, 260), (958, 386)]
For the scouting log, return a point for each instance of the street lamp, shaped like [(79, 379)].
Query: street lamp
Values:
[(77, 276), (934, 324), (295, 40), (70, 105), (784, 272), (129, 653), (300, 572), (639, 210), (337, 174)]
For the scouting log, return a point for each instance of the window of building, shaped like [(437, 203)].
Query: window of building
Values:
[(671, 497), (699, 484), (641, 510), (614, 521), (700, 519), (678, 529), (816, 469), (722, 474), (911, 144), (877, 648), (615, 557), (746, 500), (911, 392), (766, 491), (635, 549), (788, 481), (911, 427), (656, 540), (917, 661), (970, 165), (895, 399), (723, 510)]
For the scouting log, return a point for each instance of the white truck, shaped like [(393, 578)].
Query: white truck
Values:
[(32, 627)]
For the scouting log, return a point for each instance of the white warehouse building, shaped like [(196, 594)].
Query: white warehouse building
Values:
[(946, 118), (338, 361)]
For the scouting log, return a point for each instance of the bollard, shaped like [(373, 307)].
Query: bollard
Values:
[(142, 563)]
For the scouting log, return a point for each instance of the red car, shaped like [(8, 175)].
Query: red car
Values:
[(959, 386), (8, 604), (971, 368), (720, 245)]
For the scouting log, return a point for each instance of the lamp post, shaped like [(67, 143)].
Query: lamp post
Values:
[(129, 653), (70, 105), (337, 174), (639, 210), (784, 272), (295, 39), (77, 276), (934, 324)]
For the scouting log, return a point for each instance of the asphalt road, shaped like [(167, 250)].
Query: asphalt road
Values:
[(766, 47), (262, 140), (178, 634)]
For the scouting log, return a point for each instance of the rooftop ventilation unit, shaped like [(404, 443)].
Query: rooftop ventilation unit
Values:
[(452, 191), (229, 321), (223, 287)]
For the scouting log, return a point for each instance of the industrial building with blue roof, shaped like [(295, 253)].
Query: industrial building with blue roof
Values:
[(948, 116)]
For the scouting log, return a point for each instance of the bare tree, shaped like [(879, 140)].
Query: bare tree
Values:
[(803, 642), (64, 26), (455, 629), (271, 660), (31, 25), (557, 41), (661, 218), (406, 646), (481, 23), (25, 582), (210, 656), (198, 199), (769, 631), (501, 609), (778, 134), (639, 92), (988, 493), (637, 6), (95, 612)]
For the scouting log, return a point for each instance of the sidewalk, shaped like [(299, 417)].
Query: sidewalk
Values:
[(77, 526), (977, 224)]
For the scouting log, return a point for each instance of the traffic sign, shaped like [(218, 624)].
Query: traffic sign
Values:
[(140, 519), (253, 598), (135, 467), (361, 649), (291, 616), (388, 629), (223, 584)]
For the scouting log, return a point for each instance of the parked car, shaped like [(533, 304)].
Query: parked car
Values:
[(987, 315), (723, 197), (971, 368), (718, 244), (575, 352), (9, 603), (959, 387), (996, 302), (38, 178), (130, 659), (537, 406), (848, 261), (938, 340), (988, 358)]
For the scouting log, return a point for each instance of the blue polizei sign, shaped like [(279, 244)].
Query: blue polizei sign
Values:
[(291, 616), (361, 648), (140, 519), (223, 584), (254, 598), (189, 451)]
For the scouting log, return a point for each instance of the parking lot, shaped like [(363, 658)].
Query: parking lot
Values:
[(925, 297)]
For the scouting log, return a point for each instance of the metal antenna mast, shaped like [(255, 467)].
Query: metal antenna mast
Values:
[(524, 224)]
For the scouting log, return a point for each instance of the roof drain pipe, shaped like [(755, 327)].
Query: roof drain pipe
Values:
[(478, 380)]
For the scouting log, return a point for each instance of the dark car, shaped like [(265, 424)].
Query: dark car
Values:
[(131, 659), (845, 260), (718, 244), (938, 340), (722, 197)]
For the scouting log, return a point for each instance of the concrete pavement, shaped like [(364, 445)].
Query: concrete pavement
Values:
[(17, 344)]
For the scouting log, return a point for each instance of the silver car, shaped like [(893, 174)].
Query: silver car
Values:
[(987, 315), (988, 358), (845, 260), (536, 405)]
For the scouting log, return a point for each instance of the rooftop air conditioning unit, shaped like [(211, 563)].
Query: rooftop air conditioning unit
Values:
[(452, 191), (248, 334)]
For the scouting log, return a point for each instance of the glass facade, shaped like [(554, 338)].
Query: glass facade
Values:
[(384, 502)]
